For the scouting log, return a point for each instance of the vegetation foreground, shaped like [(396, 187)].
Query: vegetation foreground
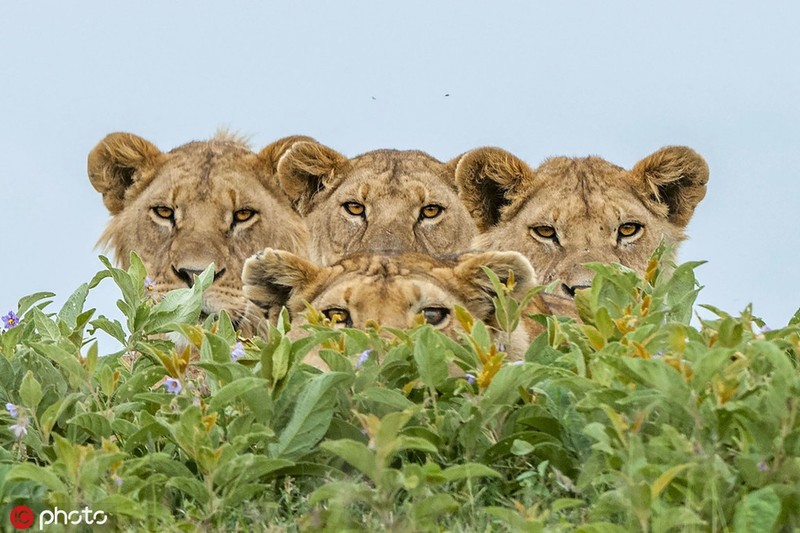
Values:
[(632, 421)]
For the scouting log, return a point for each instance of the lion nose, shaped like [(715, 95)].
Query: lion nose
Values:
[(187, 274), (569, 290)]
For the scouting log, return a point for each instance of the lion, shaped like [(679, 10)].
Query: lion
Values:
[(390, 200), (205, 202), (390, 289), (571, 211)]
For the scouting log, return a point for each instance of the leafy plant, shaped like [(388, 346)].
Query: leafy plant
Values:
[(632, 419)]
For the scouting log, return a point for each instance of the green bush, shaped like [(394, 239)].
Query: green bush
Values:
[(633, 420)]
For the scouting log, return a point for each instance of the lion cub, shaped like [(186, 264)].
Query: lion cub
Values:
[(571, 211), (390, 289), (383, 200), (204, 202)]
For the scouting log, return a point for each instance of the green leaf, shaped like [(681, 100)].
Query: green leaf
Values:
[(74, 306), (521, 447), (469, 470), (434, 506), (280, 359), (311, 417), (38, 474), (54, 412), (113, 328), (355, 453), (429, 354), (96, 424), (44, 325), (233, 390), (666, 478), (119, 504), (192, 487), (248, 467), (30, 391), (392, 398), (758, 511), (27, 302)]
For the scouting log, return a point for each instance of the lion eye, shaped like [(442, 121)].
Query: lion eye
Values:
[(546, 232), (435, 315), (164, 212), (430, 211), (338, 315), (629, 229), (354, 208), (243, 215)]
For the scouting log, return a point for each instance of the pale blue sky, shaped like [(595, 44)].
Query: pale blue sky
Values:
[(615, 79)]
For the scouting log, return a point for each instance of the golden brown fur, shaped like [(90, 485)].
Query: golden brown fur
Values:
[(393, 187), (207, 188), (589, 203), (389, 289)]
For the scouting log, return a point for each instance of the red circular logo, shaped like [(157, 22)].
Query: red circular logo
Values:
[(22, 517)]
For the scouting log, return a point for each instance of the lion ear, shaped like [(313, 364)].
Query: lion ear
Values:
[(272, 153), (270, 277), (119, 161), (675, 176), (306, 169), (487, 180), (501, 263)]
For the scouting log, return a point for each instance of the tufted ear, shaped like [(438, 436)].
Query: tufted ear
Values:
[(118, 162), (488, 180), (469, 271), (675, 176), (306, 169), (270, 277), (272, 153)]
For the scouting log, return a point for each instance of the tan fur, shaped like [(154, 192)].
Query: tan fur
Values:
[(586, 200), (204, 183), (393, 186), (389, 289)]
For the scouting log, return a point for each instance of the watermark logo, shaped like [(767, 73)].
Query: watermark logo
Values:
[(22, 517)]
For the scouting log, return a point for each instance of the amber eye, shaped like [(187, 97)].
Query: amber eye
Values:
[(546, 232), (629, 229), (243, 215), (430, 211), (164, 212), (354, 208), (435, 315), (337, 315)]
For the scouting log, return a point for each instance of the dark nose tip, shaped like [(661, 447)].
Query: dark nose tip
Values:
[(569, 290), (187, 275)]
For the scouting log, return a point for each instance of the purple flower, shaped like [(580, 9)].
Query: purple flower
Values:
[(763, 466), (149, 284), (363, 358), (173, 385), (237, 352), (19, 430), (12, 410), (11, 320), (470, 379)]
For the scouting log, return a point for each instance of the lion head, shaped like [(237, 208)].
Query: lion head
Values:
[(387, 200), (571, 211), (392, 290), (204, 202)]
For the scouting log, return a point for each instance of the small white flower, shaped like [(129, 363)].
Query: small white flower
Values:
[(237, 352), (19, 430), (363, 358), (12, 410)]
